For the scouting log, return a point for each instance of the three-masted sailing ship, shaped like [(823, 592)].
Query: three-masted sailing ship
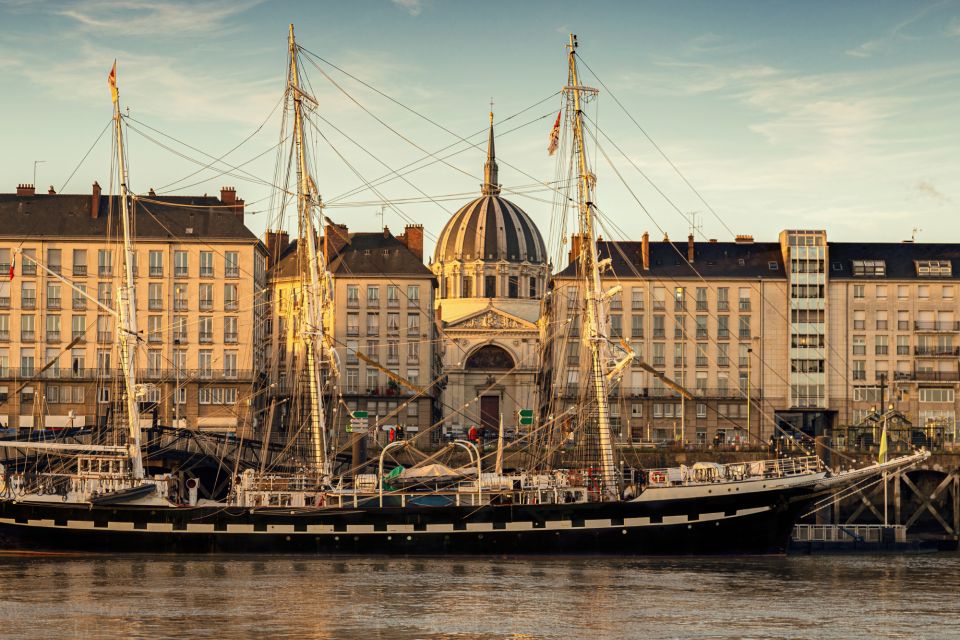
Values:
[(108, 502)]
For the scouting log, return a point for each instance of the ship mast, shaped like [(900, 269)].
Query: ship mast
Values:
[(595, 336), (127, 318), (312, 320)]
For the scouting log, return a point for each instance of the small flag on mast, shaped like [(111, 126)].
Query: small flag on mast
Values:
[(112, 81), (13, 266), (554, 136), (883, 444)]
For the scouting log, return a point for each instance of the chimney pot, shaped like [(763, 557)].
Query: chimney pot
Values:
[(51, 191), (412, 237), (645, 251), (25, 189), (690, 248)]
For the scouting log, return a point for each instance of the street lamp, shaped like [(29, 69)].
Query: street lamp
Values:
[(749, 358)]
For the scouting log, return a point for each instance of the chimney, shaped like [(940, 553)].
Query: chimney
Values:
[(690, 248), (228, 195), (645, 251), (575, 243), (277, 242), (51, 191), (386, 231), (335, 238), (412, 236), (744, 238), (95, 201), (25, 190)]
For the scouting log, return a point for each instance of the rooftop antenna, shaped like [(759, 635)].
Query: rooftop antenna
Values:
[(381, 212), (915, 234), (35, 163), (696, 224)]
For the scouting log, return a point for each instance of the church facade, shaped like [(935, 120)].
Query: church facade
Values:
[(492, 270)]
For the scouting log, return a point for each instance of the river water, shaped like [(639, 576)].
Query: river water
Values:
[(882, 596)]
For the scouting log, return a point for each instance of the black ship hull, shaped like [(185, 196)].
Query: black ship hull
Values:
[(752, 523)]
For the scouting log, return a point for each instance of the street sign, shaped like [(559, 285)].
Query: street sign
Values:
[(352, 428), (358, 414), (526, 417)]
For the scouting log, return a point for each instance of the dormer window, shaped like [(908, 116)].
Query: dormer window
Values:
[(870, 268), (934, 268), (772, 266)]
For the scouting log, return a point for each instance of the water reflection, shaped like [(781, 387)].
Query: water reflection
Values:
[(466, 598)]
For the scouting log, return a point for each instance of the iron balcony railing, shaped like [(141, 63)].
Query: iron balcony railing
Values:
[(945, 327)]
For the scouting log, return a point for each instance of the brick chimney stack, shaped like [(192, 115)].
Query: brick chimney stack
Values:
[(576, 242), (95, 201), (228, 195), (412, 236), (335, 238), (690, 248), (645, 251), (277, 242), (25, 190)]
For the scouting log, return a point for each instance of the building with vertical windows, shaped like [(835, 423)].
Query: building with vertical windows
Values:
[(200, 276), (382, 309), (801, 333)]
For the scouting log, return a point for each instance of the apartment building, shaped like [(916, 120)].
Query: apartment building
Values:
[(382, 309), (200, 275), (800, 333)]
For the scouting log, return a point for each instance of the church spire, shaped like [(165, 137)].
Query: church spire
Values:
[(490, 185)]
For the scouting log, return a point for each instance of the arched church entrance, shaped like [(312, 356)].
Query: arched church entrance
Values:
[(494, 361)]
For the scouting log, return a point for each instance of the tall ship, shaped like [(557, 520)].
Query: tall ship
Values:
[(459, 499)]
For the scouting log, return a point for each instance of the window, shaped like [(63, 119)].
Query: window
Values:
[(373, 295), (873, 268), (179, 329), (937, 394), (104, 263), (701, 298), (701, 354), (413, 324), (923, 291), (230, 297), (659, 357), (859, 370), (636, 326), (373, 324), (744, 298), (934, 268), (206, 264), (490, 286), (230, 334), (103, 361), (393, 323), (393, 295), (413, 295), (744, 327), (206, 297), (205, 326), (882, 320), (230, 364), (205, 363), (154, 362), (903, 291), (180, 301), (231, 264), (636, 299), (859, 290), (859, 345), (723, 299), (155, 295), (466, 287), (659, 298), (679, 330), (860, 320), (881, 292), (882, 345), (79, 262), (154, 328), (723, 327), (353, 324), (947, 292), (155, 259), (393, 351), (616, 325), (28, 295), (903, 345), (103, 395), (180, 264), (533, 287), (53, 295), (27, 328), (413, 353), (658, 326), (54, 260)]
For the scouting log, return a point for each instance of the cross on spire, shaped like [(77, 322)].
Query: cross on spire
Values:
[(490, 185)]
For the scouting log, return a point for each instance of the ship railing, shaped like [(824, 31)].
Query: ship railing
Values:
[(847, 532), (705, 473)]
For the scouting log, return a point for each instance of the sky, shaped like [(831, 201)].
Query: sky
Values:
[(755, 116)]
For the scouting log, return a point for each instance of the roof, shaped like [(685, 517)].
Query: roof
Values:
[(712, 260), (899, 257), (166, 217), (367, 254), (491, 228)]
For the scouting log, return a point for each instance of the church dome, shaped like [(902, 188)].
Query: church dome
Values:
[(491, 228)]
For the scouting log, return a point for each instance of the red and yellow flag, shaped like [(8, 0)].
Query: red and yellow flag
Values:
[(554, 136), (112, 82)]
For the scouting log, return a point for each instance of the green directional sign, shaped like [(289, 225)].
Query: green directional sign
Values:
[(526, 417), (358, 414)]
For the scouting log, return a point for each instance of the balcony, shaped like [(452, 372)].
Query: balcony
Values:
[(744, 305), (352, 331), (659, 305), (937, 327), (55, 268), (230, 337), (206, 337), (723, 305), (28, 269), (393, 303), (79, 304), (723, 334), (155, 304), (723, 361), (79, 336), (105, 271), (206, 304), (659, 361), (413, 303), (80, 270), (53, 336), (26, 335), (701, 305), (636, 332), (4, 301), (28, 303), (701, 361), (180, 305), (181, 272), (179, 338), (231, 272), (353, 303), (859, 374), (53, 304), (744, 334), (154, 336), (231, 305), (938, 351), (104, 337), (5, 335), (206, 272), (701, 334), (156, 272), (933, 376)]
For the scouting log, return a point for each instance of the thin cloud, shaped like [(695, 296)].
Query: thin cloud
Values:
[(413, 7), (155, 17), (898, 32), (926, 188)]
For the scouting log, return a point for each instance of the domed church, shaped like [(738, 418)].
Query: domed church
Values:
[(492, 267)]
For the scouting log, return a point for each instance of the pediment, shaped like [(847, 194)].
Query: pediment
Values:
[(492, 320)]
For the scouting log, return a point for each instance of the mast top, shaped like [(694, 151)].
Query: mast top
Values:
[(490, 185)]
